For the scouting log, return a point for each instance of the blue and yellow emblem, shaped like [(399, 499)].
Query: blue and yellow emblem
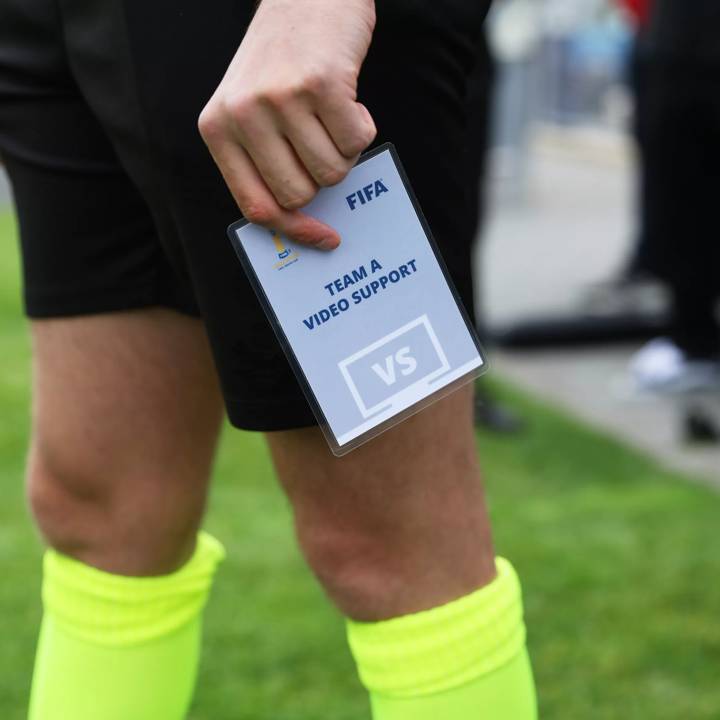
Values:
[(286, 256)]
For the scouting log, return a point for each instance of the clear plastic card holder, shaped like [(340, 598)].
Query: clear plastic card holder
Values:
[(375, 330)]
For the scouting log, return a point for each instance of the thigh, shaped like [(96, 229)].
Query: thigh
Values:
[(89, 239), (412, 498), (126, 415), (415, 82)]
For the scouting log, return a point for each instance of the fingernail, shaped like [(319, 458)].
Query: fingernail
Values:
[(328, 243)]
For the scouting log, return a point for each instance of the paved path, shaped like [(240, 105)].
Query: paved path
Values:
[(540, 255), (591, 384)]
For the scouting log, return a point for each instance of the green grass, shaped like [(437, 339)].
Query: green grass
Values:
[(619, 561)]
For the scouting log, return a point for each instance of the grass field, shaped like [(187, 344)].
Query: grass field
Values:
[(620, 563)]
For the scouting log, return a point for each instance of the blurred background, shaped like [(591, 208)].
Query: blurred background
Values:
[(598, 423), (567, 304)]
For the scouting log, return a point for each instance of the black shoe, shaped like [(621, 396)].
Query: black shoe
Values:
[(495, 417), (700, 427)]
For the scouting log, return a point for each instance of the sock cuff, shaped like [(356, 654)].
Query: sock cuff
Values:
[(445, 647), (118, 610)]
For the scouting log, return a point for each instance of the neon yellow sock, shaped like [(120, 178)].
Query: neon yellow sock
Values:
[(462, 661), (113, 647)]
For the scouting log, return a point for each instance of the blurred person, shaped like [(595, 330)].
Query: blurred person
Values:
[(633, 303), (142, 321), (635, 289), (490, 413), (637, 12), (679, 131)]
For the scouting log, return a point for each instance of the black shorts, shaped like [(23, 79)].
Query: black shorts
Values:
[(119, 203)]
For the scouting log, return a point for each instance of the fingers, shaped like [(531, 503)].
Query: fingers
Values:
[(274, 157), (318, 153), (259, 205), (275, 150)]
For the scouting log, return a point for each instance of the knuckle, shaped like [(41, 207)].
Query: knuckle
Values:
[(315, 83), (297, 200), (209, 125), (275, 98), (331, 176), (353, 146), (239, 108), (258, 213), (358, 141)]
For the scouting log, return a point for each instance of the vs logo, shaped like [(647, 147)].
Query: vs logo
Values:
[(402, 357), (395, 369)]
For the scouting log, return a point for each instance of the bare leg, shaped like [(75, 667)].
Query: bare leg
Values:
[(126, 418), (125, 421), (398, 525)]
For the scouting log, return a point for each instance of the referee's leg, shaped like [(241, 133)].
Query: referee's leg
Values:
[(398, 525), (125, 418), (398, 534), (125, 421)]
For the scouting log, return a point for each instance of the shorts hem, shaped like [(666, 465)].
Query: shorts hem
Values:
[(269, 417), (39, 306)]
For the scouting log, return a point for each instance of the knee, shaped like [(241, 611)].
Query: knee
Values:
[(81, 511), (375, 568), (64, 506), (357, 570)]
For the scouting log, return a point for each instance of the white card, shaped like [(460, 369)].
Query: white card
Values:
[(373, 330)]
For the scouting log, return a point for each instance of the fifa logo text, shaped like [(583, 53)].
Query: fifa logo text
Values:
[(366, 194)]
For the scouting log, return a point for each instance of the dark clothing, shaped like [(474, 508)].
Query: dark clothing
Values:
[(480, 93), (687, 29), (695, 327), (679, 134), (681, 174), (120, 205)]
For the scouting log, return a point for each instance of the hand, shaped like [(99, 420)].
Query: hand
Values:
[(284, 120)]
